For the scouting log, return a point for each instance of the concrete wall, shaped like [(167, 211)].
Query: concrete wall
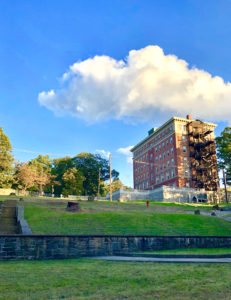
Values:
[(163, 194), (24, 227), (32, 247)]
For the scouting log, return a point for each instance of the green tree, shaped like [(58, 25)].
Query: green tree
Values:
[(41, 166), (223, 143), (60, 166), (6, 161), (73, 182), (89, 164), (115, 185)]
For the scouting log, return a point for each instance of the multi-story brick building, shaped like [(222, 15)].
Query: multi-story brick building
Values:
[(180, 153)]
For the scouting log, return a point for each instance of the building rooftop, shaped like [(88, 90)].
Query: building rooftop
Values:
[(154, 131)]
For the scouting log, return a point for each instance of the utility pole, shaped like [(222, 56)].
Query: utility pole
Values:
[(110, 176), (224, 178), (99, 182)]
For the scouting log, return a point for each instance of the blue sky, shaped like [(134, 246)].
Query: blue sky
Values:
[(40, 40)]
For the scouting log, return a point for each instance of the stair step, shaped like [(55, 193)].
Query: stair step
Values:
[(8, 222)]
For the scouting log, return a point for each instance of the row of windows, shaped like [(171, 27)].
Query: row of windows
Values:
[(163, 144), (155, 140), (162, 178), (141, 168), (145, 157), (164, 166)]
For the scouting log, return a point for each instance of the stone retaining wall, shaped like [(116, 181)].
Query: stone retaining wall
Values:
[(24, 227), (36, 247)]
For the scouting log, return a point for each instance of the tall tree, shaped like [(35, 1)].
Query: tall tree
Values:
[(223, 143), (24, 176), (41, 166), (89, 164), (73, 182), (60, 166), (116, 185), (6, 160)]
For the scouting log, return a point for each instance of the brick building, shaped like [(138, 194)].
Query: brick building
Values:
[(180, 153)]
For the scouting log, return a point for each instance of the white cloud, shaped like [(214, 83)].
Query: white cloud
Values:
[(147, 85), (126, 151), (103, 153)]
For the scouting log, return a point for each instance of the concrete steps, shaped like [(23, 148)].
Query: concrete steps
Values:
[(8, 222)]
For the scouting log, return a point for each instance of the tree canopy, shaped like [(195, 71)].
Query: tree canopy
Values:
[(83, 169), (6, 161), (223, 143)]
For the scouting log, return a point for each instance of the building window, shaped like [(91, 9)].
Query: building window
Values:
[(167, 175), (147, 183), (152, 176), (160, 157), (170, 128), (160, 147), (187, 184), (151, 146), (186, 172), (163, 145), (170, 140), (172, 161), (162, 177), (168, 163), (166, 142), (163, 154), (173, 173), (157, 179), (151, 156), (172, 150), (167, 152), (164, 167), (183, 138), (151, 165), (185, 160), (184, 149), (156, 149)]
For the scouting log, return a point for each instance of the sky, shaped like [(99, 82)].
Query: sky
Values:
[(95, 76)]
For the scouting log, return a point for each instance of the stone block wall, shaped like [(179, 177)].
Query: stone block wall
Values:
[(24, 227), (37, 247)]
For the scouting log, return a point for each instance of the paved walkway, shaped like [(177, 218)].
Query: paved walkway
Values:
[(225, 215), (164, 260)]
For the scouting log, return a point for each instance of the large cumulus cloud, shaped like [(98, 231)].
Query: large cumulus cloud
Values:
[(146, 85)]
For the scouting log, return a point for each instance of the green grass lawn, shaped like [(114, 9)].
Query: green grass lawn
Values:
[(116, 218), (89, 279), (211, 251)]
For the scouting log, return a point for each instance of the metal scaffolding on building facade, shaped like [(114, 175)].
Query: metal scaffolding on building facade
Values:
[(202, 150)]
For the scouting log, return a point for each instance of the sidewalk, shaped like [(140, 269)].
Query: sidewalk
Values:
[(164, 260)]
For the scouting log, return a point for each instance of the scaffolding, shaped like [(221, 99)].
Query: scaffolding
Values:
[(202, 150)]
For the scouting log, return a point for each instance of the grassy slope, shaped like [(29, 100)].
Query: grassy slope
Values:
[(89, 279), (118, 219)]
